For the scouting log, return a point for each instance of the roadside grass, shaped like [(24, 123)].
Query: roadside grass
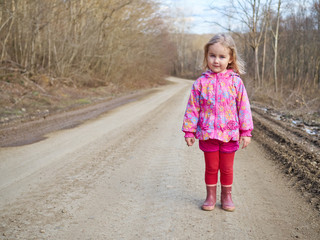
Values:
[(22, 99)]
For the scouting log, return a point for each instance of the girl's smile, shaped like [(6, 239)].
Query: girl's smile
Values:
[(218, 58)]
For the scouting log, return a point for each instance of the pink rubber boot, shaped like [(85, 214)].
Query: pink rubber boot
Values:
[(226, 200), (210, 202)]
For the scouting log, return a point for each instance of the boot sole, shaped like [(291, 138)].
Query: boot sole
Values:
[(229, 209), (207, 208)]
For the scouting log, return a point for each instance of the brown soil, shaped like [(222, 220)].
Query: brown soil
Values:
[(25, 99), (22, 99), (297, 152), (31, 108), (27, 132)]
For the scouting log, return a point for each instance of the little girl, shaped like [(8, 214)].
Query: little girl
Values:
[(218, 114)]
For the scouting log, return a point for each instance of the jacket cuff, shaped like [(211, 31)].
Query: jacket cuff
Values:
[(189, 134), (245, 133)]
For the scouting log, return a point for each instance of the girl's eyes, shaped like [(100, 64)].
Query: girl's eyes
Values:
[(218, 56)]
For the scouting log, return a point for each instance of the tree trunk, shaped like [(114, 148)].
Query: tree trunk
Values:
[(276, 39), (256, 62)]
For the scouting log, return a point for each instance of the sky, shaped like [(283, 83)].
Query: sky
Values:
[(198, 14)]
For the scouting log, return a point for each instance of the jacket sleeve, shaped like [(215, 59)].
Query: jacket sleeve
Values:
[(191, 115), (189, 134), (244, 110)]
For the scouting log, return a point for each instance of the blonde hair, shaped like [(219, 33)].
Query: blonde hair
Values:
[(237, 64)]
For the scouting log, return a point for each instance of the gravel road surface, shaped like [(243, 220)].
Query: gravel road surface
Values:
[(128, 174)]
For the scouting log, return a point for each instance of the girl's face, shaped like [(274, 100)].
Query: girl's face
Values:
[(218, 58)]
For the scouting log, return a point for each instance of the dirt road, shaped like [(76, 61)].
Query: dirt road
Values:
[(129, 175)]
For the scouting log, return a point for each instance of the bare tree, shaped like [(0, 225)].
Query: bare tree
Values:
[(83, 41), (267, 13), (288, 38), (250, 14), (316, 12), (276, 39)]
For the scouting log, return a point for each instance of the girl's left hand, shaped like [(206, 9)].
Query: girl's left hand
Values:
[(190, 141), (245, 141)]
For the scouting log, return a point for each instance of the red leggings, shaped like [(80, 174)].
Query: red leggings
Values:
[(219, 160)]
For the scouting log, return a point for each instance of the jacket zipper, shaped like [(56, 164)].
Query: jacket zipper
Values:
[(215, 107)]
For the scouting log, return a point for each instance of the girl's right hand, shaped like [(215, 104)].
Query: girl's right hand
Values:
[(190, 141)]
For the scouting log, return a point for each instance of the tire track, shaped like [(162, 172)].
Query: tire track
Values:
[(299, 157)]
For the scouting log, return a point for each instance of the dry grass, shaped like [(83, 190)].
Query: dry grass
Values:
[(23, 98), (302, 104)]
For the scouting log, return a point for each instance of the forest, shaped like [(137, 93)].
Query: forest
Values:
[(125, 45), (280, 43)]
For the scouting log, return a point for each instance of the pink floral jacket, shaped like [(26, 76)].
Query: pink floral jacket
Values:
[(218, 108)]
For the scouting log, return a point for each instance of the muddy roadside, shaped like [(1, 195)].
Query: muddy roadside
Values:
[(28, 131), (293, 148)]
